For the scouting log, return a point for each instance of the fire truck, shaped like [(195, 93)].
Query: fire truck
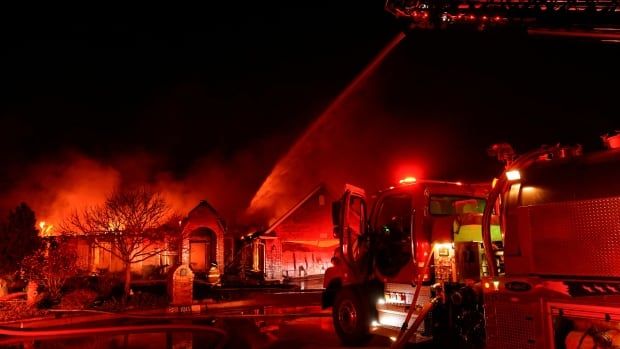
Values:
[(560, 289), (411, 261)]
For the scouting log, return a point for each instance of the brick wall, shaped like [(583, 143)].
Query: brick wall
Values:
[(273, 259)]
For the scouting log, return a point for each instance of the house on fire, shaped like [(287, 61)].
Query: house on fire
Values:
[(298, 244), (205, 240), (204, 243)]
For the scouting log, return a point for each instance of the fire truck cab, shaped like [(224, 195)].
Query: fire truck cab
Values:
[(561, 285), (419, 239)]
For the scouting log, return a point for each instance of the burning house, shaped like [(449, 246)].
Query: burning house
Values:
[(98, 258), (203, 244), (298, 244), (306, 237), (205, 241)]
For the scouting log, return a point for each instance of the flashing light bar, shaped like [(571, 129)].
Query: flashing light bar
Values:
[(408, 180), (513, 175)]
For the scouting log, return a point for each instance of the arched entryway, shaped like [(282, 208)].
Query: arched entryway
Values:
[(202, 249)]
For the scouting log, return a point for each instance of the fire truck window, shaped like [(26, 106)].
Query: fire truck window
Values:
[(356, 215), (445, 205), (356, 221), (395, 214), (393, 226)]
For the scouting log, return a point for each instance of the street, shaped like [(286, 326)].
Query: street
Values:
[(296, 321)]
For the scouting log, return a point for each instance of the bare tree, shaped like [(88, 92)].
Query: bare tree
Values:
[(128, 225)]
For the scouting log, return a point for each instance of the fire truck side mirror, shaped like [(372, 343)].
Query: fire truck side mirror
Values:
[(336, 209)]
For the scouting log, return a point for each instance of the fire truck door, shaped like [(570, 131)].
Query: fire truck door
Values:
[(353, 220), (393, 225)]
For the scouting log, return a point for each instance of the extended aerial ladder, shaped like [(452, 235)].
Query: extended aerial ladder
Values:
[(598, 19)]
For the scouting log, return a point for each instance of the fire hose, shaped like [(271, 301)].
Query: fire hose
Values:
[(27, 333), (197, 316), (404, 338), (405, 333), (108, 329), (501, 185), (593, 338)]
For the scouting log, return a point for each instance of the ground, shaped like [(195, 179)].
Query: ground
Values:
[(265, 321)]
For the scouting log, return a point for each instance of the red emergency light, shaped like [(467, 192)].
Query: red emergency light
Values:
[(408, 180)]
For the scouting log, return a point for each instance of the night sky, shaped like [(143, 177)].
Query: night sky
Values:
[(180, 81), (186, 86)]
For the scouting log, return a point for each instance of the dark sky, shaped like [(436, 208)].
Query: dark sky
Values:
[(178, 78), (182, 84)]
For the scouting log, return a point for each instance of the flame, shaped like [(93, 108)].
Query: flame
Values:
[(115, 226), (45, 229)]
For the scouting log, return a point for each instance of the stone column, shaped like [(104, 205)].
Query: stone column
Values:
[(180, 285)]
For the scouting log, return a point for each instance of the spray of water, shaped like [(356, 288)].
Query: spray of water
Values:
[(271, 197)]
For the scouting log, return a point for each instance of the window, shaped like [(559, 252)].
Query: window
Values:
[(356, 214), (356, 221), (393, 228), (447, 205), (395, 214)]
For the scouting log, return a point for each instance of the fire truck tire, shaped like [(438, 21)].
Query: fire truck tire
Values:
[(351, 316)]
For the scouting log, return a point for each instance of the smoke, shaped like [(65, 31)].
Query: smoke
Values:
[(306, 158), (362, 139), (59, 184), (377, 131), (360, 145), (226, 182), (355, 140)]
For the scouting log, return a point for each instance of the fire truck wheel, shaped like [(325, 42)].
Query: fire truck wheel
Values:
[(351, 318)]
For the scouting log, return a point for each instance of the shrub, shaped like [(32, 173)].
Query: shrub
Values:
[(152, 272), (18, 310), (78, 299), (51, 266), (147, 300), (109, 285)]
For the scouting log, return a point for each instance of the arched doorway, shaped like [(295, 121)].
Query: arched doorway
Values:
[(202, 249)]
